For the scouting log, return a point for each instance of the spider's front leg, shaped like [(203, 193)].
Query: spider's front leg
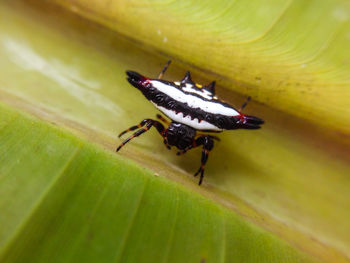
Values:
[(148, 123), (208, 144), (160, 117), (194, 144)]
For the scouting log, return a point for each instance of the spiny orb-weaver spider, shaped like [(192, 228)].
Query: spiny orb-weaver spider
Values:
[(191, 107)]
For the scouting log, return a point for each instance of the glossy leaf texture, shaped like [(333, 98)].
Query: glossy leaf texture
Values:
[(289, 178)]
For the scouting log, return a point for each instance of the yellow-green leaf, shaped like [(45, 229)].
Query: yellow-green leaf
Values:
[(289, 178)]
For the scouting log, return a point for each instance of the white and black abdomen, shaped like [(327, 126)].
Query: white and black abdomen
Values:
[(193, 105), (191, 109)]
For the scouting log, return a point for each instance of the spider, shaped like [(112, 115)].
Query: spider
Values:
[(191, 108)]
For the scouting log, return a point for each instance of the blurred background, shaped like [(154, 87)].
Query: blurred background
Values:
[(278, 194)]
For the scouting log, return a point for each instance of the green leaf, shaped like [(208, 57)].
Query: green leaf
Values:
[(275, 195), (65, 200)]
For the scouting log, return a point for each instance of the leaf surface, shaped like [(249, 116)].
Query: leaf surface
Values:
[(282, 178)]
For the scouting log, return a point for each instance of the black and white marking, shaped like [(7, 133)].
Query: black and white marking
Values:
[(191, 107)]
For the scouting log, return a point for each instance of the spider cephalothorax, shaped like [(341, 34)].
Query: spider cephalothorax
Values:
[(191, 107)]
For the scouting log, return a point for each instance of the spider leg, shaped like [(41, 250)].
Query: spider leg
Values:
[(160, 117), (208, 145), (194, 144), (132, 128), (183, 151), (164, 69), (149, 123), (166, 143), (244, 104)]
